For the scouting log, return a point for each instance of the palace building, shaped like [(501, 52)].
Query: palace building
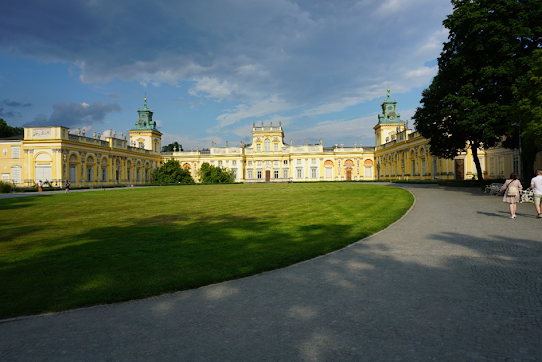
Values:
[(54, 154)]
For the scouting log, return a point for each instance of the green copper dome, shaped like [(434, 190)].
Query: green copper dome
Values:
[(145, 122), (389, 116)]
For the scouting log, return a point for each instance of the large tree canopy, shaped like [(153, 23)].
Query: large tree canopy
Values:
[(528, 111), (171, 172), (469, 102), (8, 131)]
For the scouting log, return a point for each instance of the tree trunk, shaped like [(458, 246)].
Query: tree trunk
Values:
[(528, 156), (474, 149)]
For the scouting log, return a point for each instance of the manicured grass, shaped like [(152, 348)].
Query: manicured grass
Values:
[(79, 249)]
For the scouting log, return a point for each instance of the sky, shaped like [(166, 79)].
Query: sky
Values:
[(211, 68)]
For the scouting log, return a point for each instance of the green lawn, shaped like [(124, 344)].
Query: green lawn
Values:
[(79, 249)]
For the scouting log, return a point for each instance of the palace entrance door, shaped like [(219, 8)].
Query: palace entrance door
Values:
[(267, 175), (459, 169), (349, 175)]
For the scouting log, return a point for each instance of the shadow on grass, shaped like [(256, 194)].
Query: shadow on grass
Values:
[(11, 232), (157, 255), (17, 202)]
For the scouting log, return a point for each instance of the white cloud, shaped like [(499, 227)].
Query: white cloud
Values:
[(188, 142), (213, 88), (433, 44), (333, 131), (258, 108), (332, 107), (423, 75)]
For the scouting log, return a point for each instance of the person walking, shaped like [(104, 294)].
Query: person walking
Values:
[(536, 185), (511, 193), (40, 188), (67, 186)]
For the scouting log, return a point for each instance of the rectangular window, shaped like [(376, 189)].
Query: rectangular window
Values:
[(299, 173), (258, 148), (259, 174), (73, 170), (129, 174), (250, 163), (104, 174), (285, 173), (89, 174), (234, 173), (276, 147), (16, 175), (5, 177), (423, 166), (250, 175), (267, 163), (313, 173), (15, 152), (285, 162), (314, 161), (299, 162), (491, 167), (259, 163), (276, 174), (267, 146), (234, 163), (220, 163)]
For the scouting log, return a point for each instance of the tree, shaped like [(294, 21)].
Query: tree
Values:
[(171, 172), (469, 102), (209, 174), (172, 147), (7, 131), (528, 111)]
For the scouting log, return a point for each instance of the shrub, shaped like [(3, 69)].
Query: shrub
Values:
[(5, 187)]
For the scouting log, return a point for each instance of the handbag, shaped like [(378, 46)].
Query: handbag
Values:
[(512, 190)]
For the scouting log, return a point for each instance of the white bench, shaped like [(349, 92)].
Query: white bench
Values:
[(526, 195), (493, 189)]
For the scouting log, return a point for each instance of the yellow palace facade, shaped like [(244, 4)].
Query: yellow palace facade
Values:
[(54, 154)]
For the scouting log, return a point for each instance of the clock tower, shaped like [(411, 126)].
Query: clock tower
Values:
[(144, 134), (388, 121)]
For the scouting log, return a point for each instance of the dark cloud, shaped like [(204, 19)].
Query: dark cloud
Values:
[(9, 114), (306, 52), (72, 114), (7, 102)]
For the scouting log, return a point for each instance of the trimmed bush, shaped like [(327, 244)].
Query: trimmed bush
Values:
[(5, 187)]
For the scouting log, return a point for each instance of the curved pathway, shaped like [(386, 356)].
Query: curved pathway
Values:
[(453, 280)]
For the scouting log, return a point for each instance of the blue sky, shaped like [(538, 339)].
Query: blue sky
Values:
[(211, 68)]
